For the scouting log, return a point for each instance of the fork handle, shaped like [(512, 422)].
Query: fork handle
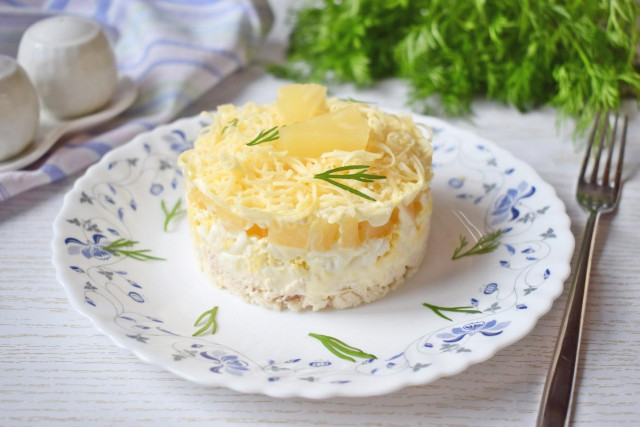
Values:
[(557, 397)]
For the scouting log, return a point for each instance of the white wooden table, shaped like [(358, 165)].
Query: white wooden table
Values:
[(55, 368)]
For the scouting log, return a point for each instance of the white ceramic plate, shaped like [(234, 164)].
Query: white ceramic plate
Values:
[(150, 307)]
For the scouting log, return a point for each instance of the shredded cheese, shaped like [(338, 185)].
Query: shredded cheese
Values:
[(261, 184)]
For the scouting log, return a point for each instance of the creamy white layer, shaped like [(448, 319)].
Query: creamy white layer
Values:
[(283, 277)]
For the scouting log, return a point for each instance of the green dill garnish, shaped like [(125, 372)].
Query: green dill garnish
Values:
[(357, 101), (211, 322), (437, 309), (330, 176), (120, 247), (484, 245), (579, 56), (233, 123), (170, 214), (340, 349), (265, 136)]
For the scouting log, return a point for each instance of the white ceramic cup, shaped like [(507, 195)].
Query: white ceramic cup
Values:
[(19, 109), (71, 63)]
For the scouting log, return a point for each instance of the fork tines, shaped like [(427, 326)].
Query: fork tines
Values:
[(605, 136)]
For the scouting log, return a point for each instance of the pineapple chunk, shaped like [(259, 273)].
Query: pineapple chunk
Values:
[(323, 235), (346, 130), (230, 221), (299, 102), (366, 231), (349, 234), (291, 235)]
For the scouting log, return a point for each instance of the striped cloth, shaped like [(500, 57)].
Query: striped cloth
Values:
[(175, 50)]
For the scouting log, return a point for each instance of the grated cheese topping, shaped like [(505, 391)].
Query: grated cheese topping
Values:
[(262, 184)]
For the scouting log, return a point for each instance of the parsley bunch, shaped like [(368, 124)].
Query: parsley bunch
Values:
[(577, 55)]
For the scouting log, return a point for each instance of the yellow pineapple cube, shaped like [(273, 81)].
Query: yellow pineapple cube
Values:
[(345, 130), (349, 233), (299, 102), (366, 231), (230, 221), (323, 235), (291, 235)]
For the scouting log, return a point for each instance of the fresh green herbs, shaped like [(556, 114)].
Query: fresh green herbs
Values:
[(438, 310), (122, 247), (340, 349), (233, 123), (211, 322), (331, 175), (265, 136), (580, 56), (171, 214), (484, 245), (357, 101)]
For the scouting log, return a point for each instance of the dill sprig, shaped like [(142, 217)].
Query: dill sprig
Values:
[(580, 56), (233, 123), (120, 247), (484, 245), (331, 175), (170, 214), (265, 136), (211, 322), (341, 349), (438, 310), (357, 101)]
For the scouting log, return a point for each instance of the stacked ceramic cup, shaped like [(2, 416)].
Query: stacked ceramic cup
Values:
[(66, 66)]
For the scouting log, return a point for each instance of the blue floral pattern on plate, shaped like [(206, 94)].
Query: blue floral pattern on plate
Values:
[(149, 307)]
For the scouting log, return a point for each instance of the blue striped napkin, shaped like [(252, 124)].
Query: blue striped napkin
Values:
[(175, 50)]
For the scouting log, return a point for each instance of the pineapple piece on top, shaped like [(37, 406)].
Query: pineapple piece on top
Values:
[(300, 102), (344, 130)]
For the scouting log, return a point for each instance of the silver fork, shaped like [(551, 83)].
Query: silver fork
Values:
[(597, 195)]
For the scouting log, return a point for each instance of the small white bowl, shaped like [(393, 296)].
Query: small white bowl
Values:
[(19, 109), (71, 63)]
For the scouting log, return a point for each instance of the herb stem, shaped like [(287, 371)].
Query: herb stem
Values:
[(331, 175), (211, 322), (118, 248), (485, 244), (233, 123), (340, 348), (265, 136), (438, 310), (169, 215)]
